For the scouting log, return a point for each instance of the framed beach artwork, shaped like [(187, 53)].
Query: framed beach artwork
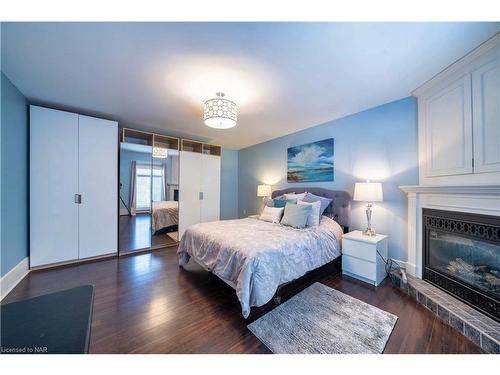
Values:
[(312, 162)]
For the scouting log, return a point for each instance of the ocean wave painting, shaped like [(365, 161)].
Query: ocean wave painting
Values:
[(312, 162)]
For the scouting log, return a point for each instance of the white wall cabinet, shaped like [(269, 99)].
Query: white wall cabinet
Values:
[(486, 117), (448, 127), (459, 121), (71, 156), (199, 189)]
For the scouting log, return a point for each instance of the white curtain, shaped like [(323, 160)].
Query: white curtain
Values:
[(133, 192)]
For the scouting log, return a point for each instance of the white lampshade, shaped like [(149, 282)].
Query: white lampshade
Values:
[(368, 192), (264, 190), (220, 113)]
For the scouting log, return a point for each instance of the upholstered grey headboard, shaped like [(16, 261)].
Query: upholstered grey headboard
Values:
[(339, 209)]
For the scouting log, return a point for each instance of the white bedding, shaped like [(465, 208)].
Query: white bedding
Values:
[(257, 256)]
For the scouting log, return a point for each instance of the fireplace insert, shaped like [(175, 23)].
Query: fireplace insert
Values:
[(461, 255)]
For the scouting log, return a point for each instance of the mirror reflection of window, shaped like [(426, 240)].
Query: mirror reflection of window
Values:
[(143, 187)]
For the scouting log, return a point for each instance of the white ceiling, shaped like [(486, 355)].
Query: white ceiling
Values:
[(284, 76)]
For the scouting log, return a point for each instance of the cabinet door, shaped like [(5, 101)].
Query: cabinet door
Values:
[(448, 129), (98, 185), (486, 109), (53, 185), (189, 189), (210, 206)]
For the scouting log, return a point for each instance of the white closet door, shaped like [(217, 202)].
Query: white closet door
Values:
[(98, 182), (210, 186), (53, 185), (189, 189)]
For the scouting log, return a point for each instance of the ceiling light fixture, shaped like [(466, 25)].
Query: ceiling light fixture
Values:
[(160, 152), (220, 113)]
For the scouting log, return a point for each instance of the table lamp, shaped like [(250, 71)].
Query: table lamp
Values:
[(263, 191), (368, 192)]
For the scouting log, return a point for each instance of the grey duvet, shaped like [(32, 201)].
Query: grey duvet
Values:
[(165, 214), (256, 256)]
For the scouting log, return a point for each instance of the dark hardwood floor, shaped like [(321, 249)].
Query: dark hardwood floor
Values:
[(145, 303), (135, 234)]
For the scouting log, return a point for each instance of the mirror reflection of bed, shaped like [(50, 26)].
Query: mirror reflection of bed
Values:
[(165, 197), (149, 169)]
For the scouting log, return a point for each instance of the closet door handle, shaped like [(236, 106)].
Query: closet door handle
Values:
[(200, 195), (78, 198)]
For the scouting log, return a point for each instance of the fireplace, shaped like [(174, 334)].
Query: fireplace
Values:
[(461, 255)]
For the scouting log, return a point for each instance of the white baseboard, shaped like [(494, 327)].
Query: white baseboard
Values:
[(401, 263), (14, 276), (412, 270), (409, 267)]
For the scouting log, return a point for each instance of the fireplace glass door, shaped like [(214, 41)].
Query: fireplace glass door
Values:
[(462, 256), (472, 261)]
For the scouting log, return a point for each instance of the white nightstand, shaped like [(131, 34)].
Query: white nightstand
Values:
[(360, 258)]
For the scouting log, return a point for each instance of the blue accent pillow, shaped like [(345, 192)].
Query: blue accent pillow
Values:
[(311, 198), (282, 202), (296, 215)]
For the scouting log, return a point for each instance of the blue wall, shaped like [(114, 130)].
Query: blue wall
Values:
[(14, 176), (229, 184), (379, 144)]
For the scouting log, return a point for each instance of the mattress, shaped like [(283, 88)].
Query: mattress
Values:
[(257, 256)]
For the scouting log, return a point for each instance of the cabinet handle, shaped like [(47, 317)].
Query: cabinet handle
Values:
[(78, 198), (200, 195)]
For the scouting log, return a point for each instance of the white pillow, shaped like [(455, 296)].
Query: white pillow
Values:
[(299, 197), (272, 214), (313, 218)]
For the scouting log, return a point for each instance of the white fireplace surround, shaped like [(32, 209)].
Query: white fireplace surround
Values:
[(483, 199)]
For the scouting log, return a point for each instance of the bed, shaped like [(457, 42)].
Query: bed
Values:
[(165, 214), (256, 257)]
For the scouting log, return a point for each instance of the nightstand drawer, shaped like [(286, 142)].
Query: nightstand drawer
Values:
[(359, 267), (359, 249)]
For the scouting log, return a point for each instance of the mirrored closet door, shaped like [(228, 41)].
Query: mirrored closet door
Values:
[(165, 191), (149, 191), (136, 161)]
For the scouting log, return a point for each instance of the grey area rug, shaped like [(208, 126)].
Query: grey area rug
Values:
[(323, 320)]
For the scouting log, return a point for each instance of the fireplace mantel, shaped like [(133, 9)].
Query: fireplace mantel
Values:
[(480, 199), (473, 189)]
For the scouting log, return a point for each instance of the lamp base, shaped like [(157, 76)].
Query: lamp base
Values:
[(369, 232)]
